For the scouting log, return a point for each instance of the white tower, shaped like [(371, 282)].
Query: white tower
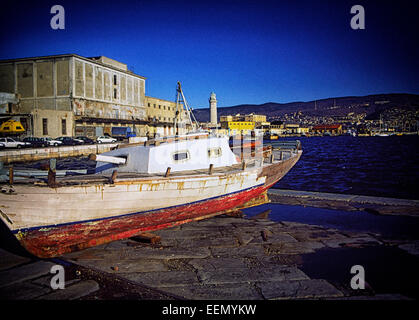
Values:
[(213, 108)]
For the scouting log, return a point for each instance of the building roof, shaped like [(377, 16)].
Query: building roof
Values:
[(98, 60)]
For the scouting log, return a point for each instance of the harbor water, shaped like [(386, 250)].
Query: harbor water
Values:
[(371, 166)]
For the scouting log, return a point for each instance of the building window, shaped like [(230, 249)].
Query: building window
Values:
[(115, 93), (44, 126), (159, 106), (154, 106), (164, 107), (149, 104), (63, 126), (115, 79)]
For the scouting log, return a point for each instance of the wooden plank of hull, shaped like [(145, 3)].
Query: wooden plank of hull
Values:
[(31, 206), (55, 241)]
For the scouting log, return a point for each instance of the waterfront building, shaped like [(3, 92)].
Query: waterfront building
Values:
[(161, 117), (333, 129), (65, 95), (238, 127)]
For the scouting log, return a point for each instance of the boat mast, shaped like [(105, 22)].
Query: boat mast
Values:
[(181, 105)]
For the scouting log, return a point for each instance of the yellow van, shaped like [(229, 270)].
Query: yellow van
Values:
[(12, 127)]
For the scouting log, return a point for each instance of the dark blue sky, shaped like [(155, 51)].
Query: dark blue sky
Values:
[(244, 51)]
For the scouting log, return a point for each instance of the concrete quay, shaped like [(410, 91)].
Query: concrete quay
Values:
[(346, 202)]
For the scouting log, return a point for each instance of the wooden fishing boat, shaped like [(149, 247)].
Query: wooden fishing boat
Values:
[(138, 188), (177, 182)]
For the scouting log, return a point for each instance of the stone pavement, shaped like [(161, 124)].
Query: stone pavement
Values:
[(219, 258), (23, 278), (227, 258)]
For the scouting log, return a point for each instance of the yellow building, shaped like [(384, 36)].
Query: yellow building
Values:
[(257, 118), (161, 116)]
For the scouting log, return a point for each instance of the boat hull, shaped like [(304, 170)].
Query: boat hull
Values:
[(57, 240)]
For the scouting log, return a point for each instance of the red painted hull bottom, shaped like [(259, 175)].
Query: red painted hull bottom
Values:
[(55, 241)]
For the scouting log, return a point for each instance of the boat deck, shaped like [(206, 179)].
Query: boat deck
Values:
[(250, 162)]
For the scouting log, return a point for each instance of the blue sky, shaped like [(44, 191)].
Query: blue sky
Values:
[(245, 51)]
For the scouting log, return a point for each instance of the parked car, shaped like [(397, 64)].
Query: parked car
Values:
[(2, 145), (52, 142), (103, 139), (86, 140), (12, 143), (68, 141), (35, 142)]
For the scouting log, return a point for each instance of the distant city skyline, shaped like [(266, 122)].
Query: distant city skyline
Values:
[(247, 52)]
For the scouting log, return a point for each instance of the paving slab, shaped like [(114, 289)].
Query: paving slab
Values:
[(301, 289), (250, 250), (316, 235), (164, 279), (72, 292), (160, 252), (246, 275), (217, 263), (412, 247), (292, 247), (278, 237), (10, 260), (23, 291), (219, 241), (24, 272), (359, 242), (234, 291), (126, 266)]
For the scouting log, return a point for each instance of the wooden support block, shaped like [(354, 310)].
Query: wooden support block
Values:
[(167, 172), (244, 165), (264, 235), (211, 169), (235, 214), (51, 178), (11, 174), (113, 177), (147, 237)]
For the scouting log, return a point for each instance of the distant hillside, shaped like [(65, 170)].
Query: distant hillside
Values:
[(373, 105)]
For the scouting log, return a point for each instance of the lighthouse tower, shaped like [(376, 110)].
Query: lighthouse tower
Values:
[(213, 109)]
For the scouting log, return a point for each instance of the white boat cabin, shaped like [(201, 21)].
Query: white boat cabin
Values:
[(178, 155)]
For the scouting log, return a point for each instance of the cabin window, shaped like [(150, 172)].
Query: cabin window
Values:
[(181, 156), (19, 128), (214, 152)]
